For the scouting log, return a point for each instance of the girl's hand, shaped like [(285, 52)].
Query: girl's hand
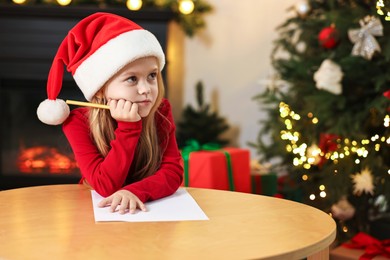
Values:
[(124, 110), (125, 200)]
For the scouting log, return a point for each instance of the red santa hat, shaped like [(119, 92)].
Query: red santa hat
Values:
[(93, 51)]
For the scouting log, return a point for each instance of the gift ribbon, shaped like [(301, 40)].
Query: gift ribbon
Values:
[(372, 246), (193, 146)]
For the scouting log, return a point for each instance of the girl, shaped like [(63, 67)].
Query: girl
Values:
[(128, 153)]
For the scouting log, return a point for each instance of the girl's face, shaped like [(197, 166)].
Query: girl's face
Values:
[(136, 82)]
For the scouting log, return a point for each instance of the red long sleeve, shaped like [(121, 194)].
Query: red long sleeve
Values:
[(108, 174)]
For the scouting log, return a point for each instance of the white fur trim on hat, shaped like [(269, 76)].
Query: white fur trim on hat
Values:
[(53, 112), (98, 68)]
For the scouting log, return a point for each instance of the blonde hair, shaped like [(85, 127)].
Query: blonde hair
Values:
[(148, 156)]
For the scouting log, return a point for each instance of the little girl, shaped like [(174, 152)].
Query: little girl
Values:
[(127, 153)]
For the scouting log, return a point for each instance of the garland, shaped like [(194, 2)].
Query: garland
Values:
[(187, 13)]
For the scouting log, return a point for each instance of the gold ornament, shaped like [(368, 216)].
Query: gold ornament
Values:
[(363, 38), (363, 182)]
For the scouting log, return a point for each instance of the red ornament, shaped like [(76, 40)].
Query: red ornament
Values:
[(387, 94), (328, 37), (327, 143)]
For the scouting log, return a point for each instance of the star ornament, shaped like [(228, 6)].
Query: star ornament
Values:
[(363, 182)]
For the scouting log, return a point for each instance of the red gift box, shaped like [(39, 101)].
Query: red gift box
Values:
[(344, 253), (363, 247), (209, 169)]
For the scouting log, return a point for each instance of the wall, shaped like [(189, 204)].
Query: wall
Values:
[(230, 56)]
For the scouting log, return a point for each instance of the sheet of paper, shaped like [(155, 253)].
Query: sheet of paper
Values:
[(180, 206)]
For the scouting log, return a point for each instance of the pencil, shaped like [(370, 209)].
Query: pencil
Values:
[(86, 104)]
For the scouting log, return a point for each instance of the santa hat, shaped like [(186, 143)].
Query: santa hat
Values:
[(93, 51)]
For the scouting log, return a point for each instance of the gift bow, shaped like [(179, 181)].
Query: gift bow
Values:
[(193, 146), (363, 38), (372, 246)]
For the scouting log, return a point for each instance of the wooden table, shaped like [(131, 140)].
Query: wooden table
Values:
[(57, 222)]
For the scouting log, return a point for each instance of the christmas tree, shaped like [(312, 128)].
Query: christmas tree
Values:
[(201, 124), (328, 124)]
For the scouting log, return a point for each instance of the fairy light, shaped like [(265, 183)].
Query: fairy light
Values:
[(186, 6), (312, 197), (387, 121), (323, 194), (306, 157), (134, 5), (296, 162), (288, 124), (345, 229), (64, 2), (19, 2), (382, 10), (357, 161)]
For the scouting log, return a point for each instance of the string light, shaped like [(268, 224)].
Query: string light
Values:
[(382, 10), (306, 156), (134, 5), (186, 6), (64, 2), (19, 2), (345, 229)]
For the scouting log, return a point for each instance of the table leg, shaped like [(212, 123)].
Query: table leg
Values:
[(320, 255)]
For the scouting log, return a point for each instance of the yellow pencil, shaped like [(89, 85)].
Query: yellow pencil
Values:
[(86, 104)]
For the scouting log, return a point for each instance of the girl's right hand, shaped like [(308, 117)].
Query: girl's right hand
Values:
[(124, 110)]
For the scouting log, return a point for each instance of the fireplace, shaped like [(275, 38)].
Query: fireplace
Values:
[(32, 153)]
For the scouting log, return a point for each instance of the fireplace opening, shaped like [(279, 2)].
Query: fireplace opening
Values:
[(31, 151)]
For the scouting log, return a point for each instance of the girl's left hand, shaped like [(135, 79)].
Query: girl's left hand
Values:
[(124, 200)]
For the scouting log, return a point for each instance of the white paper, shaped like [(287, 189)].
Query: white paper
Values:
[(180, 206)]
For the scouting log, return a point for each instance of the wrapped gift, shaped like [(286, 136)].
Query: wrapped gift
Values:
[(344, 253), (264, 183), (289, 189), (221, 169), (362, 247)]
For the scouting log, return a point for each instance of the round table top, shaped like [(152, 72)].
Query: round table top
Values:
[(58, 220)]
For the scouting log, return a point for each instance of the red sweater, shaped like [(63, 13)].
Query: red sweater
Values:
[(108, 174)]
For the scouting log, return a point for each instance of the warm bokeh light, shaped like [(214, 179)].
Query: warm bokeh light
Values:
[(186, 6), (19, 2), (64, 2), (306, 156), (134, 5)]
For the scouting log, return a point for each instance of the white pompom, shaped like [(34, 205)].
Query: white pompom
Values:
[(53, 112)]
